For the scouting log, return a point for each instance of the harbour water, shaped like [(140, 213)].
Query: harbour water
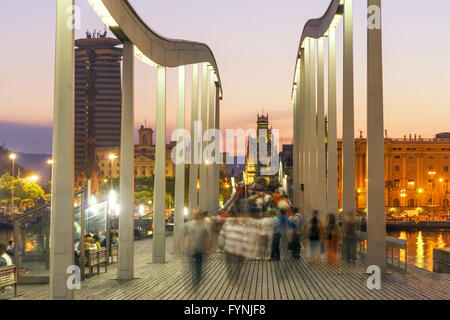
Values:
[(420, 244)]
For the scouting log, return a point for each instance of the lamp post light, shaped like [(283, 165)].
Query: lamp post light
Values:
[(50, 163), (111, 157), (13, 157)]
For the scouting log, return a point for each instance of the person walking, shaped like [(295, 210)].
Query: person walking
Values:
[(296, 224), (279, 228), (332, 236), (314, 238), (197, 240), (350, 227)]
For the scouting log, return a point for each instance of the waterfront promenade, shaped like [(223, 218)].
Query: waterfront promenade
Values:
[(258, 280)]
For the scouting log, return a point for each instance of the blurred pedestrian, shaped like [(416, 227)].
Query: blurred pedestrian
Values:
[(350, 226), (279, 229), (314, 237), (296, 224), (265, 238), (332, 236), (197, 241)]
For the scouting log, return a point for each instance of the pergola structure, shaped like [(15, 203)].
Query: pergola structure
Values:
[(315, 181), (162, 53)]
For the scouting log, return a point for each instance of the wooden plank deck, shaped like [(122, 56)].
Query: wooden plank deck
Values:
[(287, 279)]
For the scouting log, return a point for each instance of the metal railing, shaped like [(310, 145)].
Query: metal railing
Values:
[(391, 243)]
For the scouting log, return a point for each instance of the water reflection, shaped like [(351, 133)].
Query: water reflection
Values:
[(421, 244)]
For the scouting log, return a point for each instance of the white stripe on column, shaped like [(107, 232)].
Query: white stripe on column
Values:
[(348, 131), (193, 168), (332, 184), (211, 122), (179, 170), (321, 178), (159, 193), (203, 171), (126, 220), (376, 226), (61, 227)]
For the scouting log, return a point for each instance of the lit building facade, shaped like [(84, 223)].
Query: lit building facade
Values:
[(144, 158), (253, 162), (416, 173)]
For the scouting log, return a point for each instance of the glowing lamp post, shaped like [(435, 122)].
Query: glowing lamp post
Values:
[(111, 157), (13, 157)]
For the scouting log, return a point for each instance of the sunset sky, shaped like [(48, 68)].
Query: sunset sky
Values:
[(255, 43)]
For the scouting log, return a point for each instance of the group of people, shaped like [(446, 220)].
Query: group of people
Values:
[(95, 239), (260, 226), (6, 254)]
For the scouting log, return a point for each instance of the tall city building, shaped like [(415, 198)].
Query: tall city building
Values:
[(254, 163), (98, 101)]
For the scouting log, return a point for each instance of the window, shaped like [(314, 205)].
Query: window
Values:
[(397, 168), (396, 203), (396, 183), (445, 202), (445, 168), (411, 202), (430, 201), (430, 168), (431, 157), (396, 157)]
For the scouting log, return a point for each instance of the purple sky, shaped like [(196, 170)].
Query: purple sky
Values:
[(254, 42)]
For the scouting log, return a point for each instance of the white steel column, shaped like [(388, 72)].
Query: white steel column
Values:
[(298, 105), (313, 123), (159, 193), (321, 178), (295, 171), (307, 131), (348, 136), (180, 151), (211, 123), (302, 132), (203, 201), (126, 221), (61, 226), (332, 176), (193, 168), (217, 165), (376, 225)]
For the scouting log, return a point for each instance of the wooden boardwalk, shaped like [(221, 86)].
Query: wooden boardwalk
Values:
[(287, 279)]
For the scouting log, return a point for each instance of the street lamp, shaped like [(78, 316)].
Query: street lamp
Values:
[(13, 157), (50, 163), (111, 157)]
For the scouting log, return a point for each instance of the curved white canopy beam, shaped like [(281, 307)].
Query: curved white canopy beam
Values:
[(151, 47), (317, 28)]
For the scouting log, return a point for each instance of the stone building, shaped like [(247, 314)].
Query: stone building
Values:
[(416, 173), (144, 158)]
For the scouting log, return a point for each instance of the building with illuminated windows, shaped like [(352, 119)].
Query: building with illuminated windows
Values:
[(253, 161), (416, 173), (144, 158), (98, 101)]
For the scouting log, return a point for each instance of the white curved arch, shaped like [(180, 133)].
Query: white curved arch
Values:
[(317, 28), (126, 24)]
